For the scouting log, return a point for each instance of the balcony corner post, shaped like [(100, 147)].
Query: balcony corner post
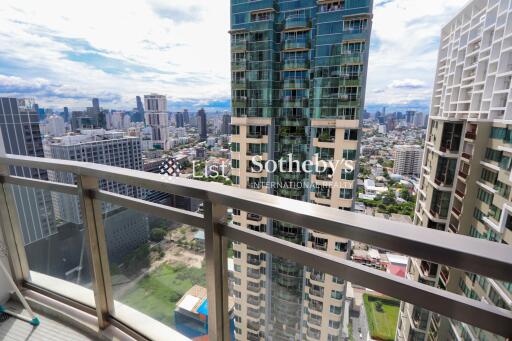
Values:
[(96, 241), (216, 271), (11, 228)]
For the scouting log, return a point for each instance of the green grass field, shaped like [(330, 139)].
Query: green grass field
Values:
[(156, 294), (381, 321)]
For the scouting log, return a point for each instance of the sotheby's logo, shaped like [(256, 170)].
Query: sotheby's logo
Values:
[(170, 168)]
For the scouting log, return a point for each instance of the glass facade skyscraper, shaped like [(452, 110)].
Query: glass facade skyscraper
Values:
[(298, 83)]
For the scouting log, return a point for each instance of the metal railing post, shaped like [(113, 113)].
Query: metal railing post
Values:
[(93, 222), (12, 236), (11, 227), (216, 271)]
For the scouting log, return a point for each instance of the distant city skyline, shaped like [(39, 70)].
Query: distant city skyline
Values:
[(181, 49)]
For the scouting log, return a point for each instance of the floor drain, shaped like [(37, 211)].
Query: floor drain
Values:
[(4, 317)]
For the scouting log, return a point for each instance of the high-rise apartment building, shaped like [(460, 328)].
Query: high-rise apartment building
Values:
[(56, 125), (186, 117), (226, 124), (407, 160), (465, 183), (127, 229), (202, 124), (22, 136), (178, 117), (138, 114), (298, 81), (96, 105), (65, 114), (157, 118)]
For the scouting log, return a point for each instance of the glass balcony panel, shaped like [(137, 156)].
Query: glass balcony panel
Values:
[(305, 301), (55, 241), (157, 268)]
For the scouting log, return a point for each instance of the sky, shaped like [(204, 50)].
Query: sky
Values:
[(63, 53)]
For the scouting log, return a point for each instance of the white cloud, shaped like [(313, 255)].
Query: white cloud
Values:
[(407, 84), (118, 47), (405, 39), (180, 48)]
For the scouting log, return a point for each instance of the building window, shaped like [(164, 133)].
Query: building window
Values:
[(498, 133), (489, 176), (351, 134), (502, 189), (335, 309), (235, 147), (347, 174), (346, 193), (337, 280), (337, 295), (493, 155), (497, 299), (494, 212), (473, 232), (341, 247), (484, 196), (334, 324), (349, 154), (235, 163), (478, 215), (325, 153)]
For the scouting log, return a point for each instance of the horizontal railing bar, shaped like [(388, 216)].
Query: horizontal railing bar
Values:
[(82, 307), (470, 254), (60, 298), (147, 207), (461, 308), (41, 184), (157, 182), (463, 252)]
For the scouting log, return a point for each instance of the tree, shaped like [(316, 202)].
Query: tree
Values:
[(388, 163), (389, 198), (404, 194), (157, 235)]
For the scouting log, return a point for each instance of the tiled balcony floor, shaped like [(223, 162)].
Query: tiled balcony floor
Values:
[(49, 329)]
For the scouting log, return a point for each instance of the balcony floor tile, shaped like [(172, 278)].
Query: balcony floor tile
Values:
[(49, 329)]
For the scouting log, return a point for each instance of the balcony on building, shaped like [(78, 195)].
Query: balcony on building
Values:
[(428, 269), (295, 22), (445, 172), (440, 204), (471, 132), (463, 170), (295, 64), (296, 44), (451, 137), (94, 309), (239, 45), (297, 83)]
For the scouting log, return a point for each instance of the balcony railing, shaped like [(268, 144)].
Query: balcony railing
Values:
[(291, 44), (474, 255), (296, 22)]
